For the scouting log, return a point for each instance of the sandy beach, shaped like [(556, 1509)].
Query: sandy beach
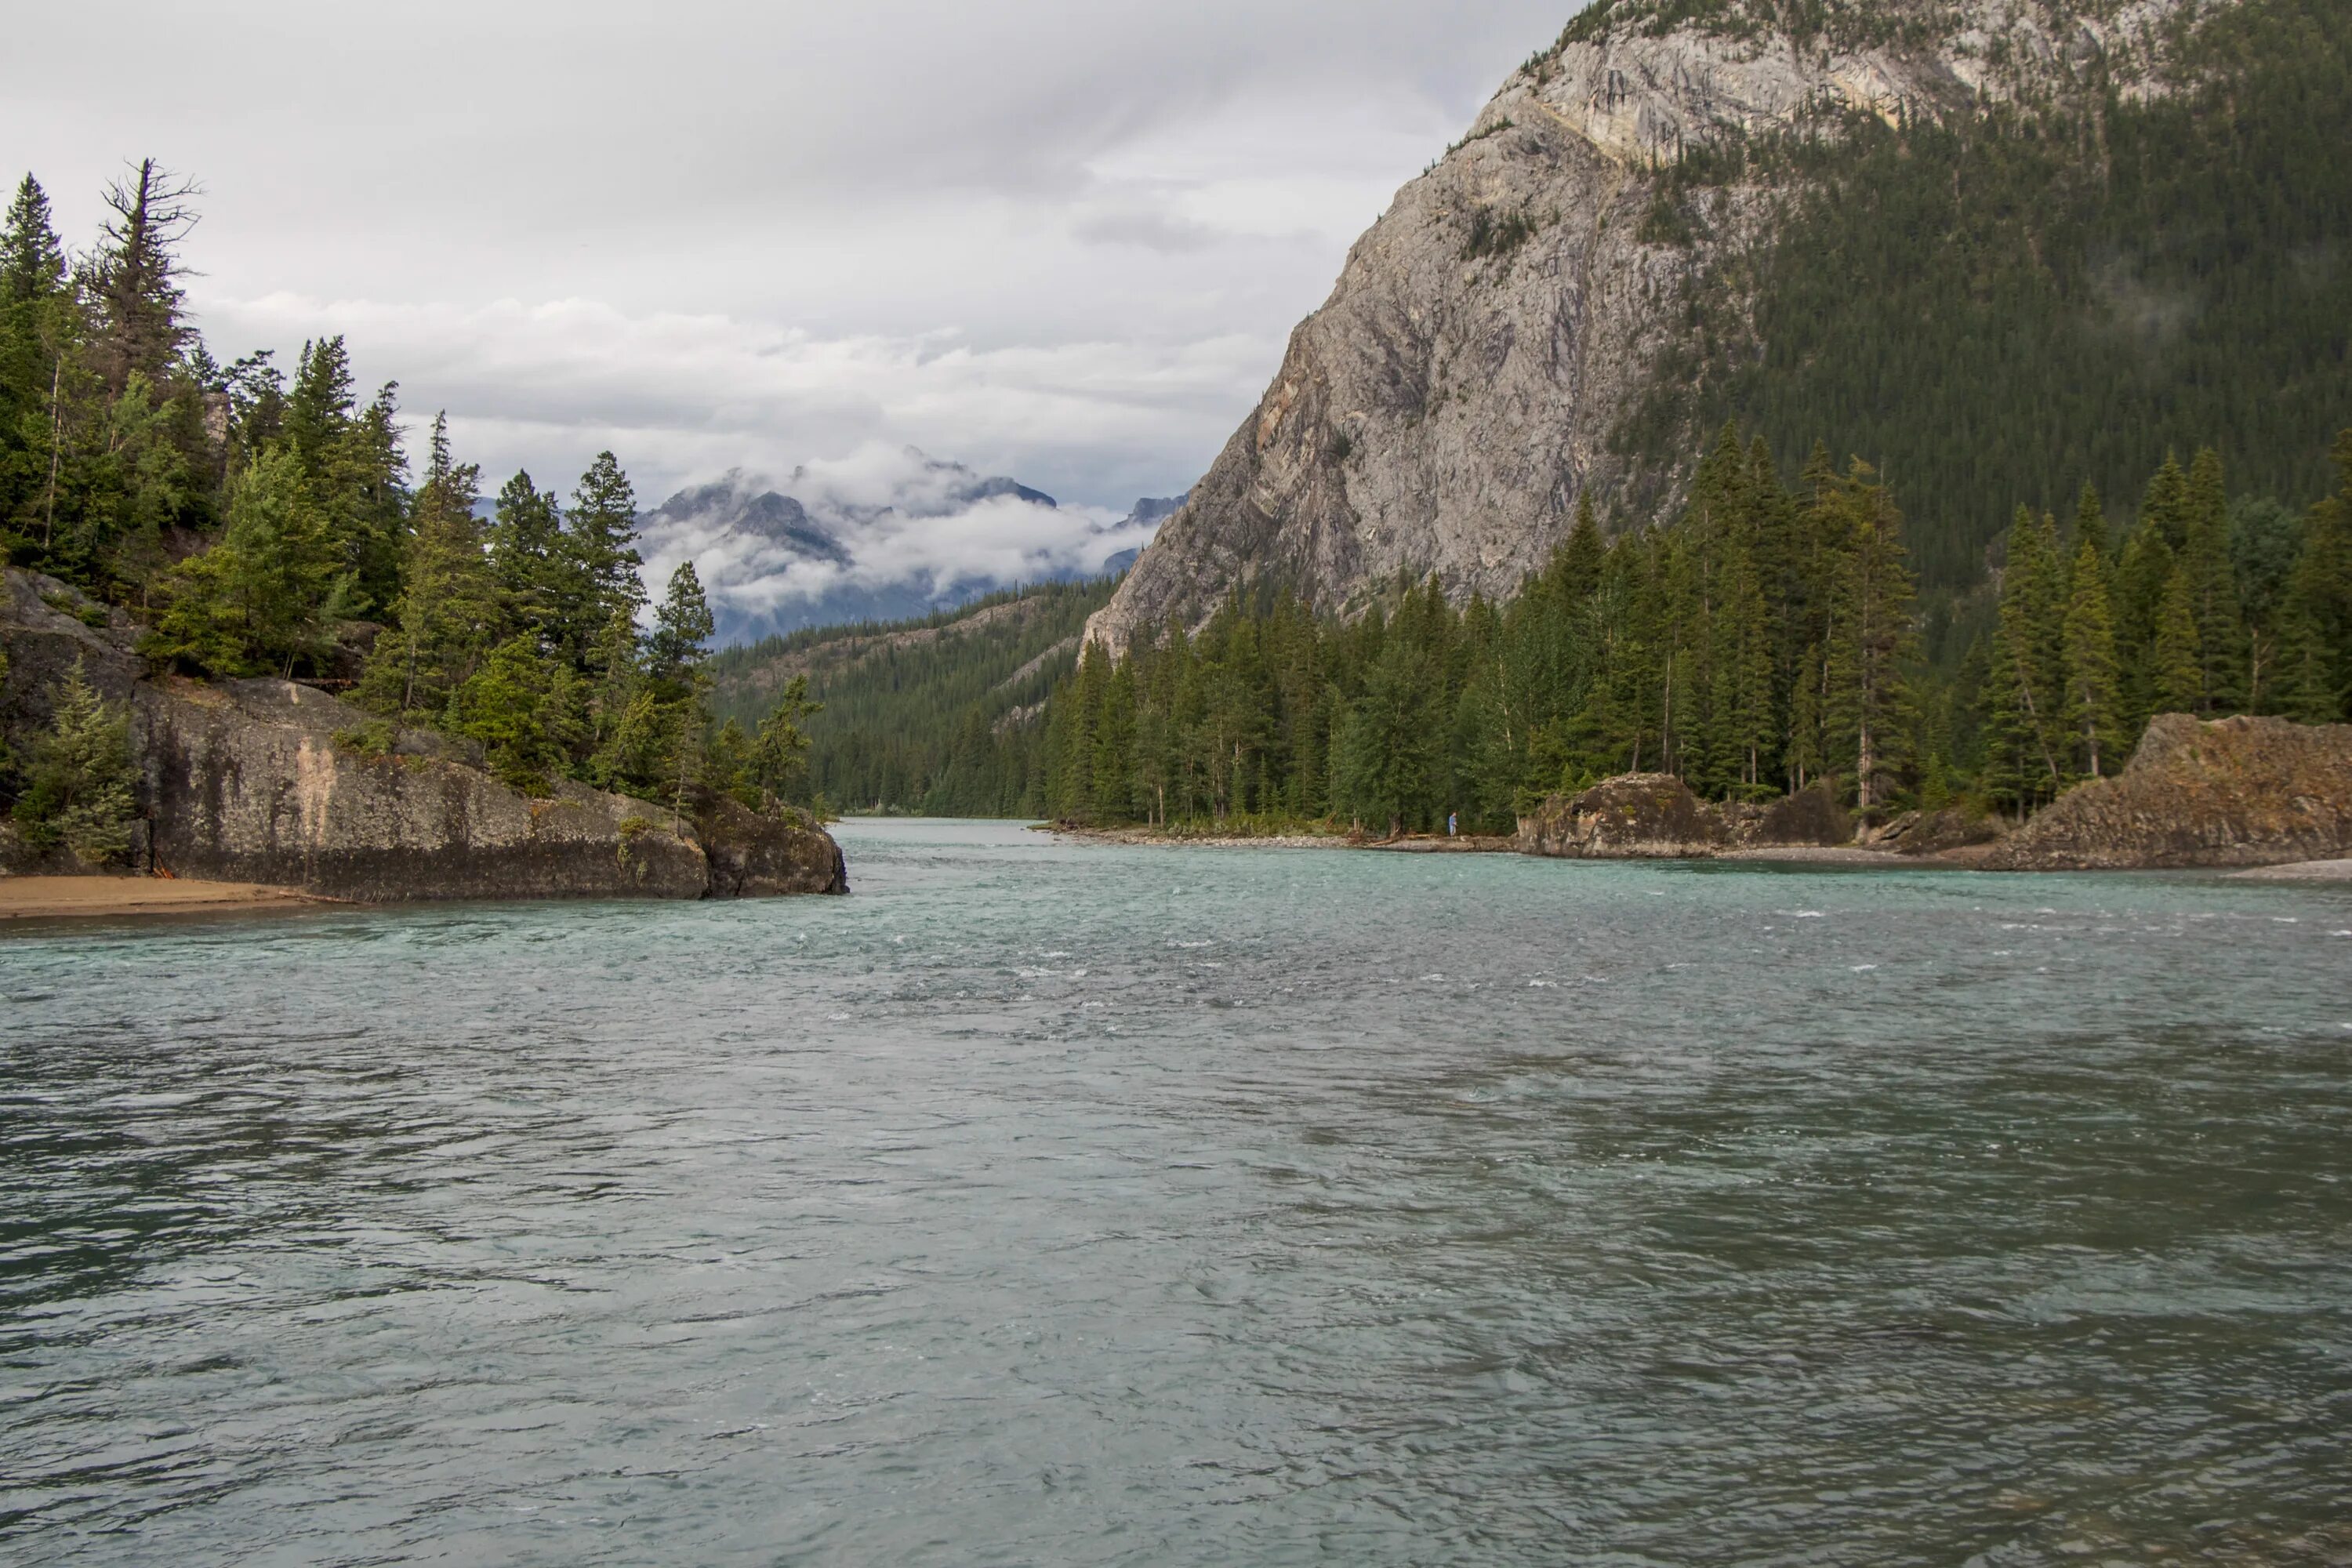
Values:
[(61, 898)]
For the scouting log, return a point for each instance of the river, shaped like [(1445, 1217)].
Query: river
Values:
[(1047, 1203)]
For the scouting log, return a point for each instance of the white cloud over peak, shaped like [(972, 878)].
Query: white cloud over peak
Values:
[(1055, 239)]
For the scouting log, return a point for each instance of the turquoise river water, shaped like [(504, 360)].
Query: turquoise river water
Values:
[(1056, 1204)]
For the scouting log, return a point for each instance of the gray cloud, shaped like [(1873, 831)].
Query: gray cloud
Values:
[(1055, 239)]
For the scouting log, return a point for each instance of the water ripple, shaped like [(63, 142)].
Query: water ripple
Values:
[(1046, 1203)]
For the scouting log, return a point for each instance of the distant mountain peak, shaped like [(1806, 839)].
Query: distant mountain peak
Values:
[(880, 535)]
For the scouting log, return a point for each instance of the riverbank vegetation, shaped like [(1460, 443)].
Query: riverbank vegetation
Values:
[(259, 523), (1766, 639)]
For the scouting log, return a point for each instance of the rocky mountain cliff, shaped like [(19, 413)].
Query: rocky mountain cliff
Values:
[(1472, 372)]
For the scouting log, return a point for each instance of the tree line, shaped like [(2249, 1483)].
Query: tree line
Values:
[(257, 523), (1764, 640)]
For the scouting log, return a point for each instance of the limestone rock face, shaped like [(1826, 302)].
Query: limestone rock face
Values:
[(247, 784), (2235, 792), (1443, 411)]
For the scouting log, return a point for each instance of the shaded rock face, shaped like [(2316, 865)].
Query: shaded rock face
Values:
[(756, 857), (2235, 792), (1654, 817), (1443, 411), (1935, 833), (244, 781), (47, 628)]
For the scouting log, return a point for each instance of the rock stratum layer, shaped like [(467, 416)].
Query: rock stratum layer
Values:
[(1442, 411), (2235, 792), (245, 781)]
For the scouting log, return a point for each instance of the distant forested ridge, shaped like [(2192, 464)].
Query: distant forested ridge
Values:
[(257, 523), (937, 716)]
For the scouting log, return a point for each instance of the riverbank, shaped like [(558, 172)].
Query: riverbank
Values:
[(69, 898)]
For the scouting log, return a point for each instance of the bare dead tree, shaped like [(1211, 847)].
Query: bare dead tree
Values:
[(135, 273)]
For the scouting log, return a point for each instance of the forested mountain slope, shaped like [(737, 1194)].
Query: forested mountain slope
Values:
[(1999, 247), (935, 716)]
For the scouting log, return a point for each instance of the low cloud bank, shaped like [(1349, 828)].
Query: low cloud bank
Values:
[(881, 533)]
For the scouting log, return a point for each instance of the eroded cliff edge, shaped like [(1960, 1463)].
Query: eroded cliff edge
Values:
[(247, 781)]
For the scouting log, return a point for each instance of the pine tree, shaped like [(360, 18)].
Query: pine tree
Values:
[(527, 556), (2175, 668), (32, 261), (2140, 578), (601, 565), (1387, 744), (2090, 521), (1806, 757), (2025, 713), (1579, 559), (446, 618), (778, 754), (525, 711), (79, 782), (2164, 508), (2091, 672), (683, 626), (2214, 587), (37, 325), (1869, 705), (2315, 679), (270, 593)]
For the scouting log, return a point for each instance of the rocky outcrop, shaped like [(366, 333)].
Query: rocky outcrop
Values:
[(2235, 792), (1639, 816), (1654, 817), (264, 782), (1443, 410), (247, 782), (753, 856), (1935, 833)]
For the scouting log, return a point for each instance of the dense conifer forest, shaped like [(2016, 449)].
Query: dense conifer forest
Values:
[(1767, 639), (259, 523), (2002, 304), (936, 717)]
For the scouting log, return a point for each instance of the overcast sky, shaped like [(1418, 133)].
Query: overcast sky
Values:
[(1063, 239)]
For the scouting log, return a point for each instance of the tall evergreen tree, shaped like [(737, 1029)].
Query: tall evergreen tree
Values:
[(447, 617), (602, 566), (1873, 638), (2213, 585), (2091, 671), (2176, 662)]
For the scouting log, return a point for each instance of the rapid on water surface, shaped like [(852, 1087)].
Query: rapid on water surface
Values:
[(1060, 1203)]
